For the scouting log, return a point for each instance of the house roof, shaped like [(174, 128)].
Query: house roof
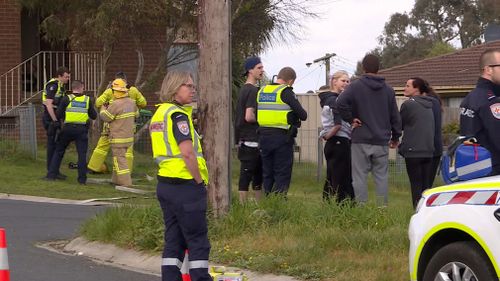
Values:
[(457, 70)]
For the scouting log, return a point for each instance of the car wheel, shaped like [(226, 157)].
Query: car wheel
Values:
[(464, 261)]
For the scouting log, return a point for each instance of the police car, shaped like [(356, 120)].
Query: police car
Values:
[(455, 232)]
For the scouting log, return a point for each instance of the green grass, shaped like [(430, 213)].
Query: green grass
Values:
[(301, 236), (23, 175)]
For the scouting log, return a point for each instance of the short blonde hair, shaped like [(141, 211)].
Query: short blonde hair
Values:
[(171, 84)]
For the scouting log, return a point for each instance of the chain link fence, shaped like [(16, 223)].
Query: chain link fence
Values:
[(19, 132)]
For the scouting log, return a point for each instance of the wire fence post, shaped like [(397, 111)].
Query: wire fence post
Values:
[(320, 157)]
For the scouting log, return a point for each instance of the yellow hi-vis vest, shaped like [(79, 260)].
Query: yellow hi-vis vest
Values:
[(58, 94), (77, 111), (271, 110), (166, 152)]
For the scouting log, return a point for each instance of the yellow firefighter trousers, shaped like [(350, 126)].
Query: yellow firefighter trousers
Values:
[(121, 173), (101, 151)]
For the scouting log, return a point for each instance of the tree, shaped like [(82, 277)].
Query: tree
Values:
[(103, 24), (432, 28), (258, 24)]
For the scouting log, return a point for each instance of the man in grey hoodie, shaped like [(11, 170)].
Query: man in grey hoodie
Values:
[(369, 104)]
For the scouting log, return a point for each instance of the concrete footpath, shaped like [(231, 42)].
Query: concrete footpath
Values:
[(113, 255)]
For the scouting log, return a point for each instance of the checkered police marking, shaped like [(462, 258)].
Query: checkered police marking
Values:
[(486, 197)]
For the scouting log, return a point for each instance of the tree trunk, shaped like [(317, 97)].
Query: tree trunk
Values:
[(214, 103)]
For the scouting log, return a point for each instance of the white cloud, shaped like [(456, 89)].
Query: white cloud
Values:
[(348, 28)]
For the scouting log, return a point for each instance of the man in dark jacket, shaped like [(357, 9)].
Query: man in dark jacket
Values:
[(245, 130), (369, 104), (480, 109)]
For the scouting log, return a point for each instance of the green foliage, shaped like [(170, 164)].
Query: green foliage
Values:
[(451, 128), (430, 27), (440, 48)]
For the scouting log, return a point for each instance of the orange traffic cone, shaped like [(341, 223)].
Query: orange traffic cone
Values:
[(4, 261), (184, 268)]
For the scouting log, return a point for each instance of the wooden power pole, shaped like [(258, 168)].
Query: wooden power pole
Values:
[(326, 59), (215, 97)]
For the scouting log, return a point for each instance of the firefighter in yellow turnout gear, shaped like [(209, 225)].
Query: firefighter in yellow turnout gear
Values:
[(96, 162), (121, 118)]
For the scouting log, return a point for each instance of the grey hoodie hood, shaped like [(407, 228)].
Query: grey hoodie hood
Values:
[(425, 101)]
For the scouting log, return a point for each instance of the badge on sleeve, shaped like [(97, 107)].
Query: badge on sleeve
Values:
[(52, 87), (183, 127), (495, 110), (157, 127)]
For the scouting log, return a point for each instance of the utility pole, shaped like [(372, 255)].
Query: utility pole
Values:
[(214, 105), (326, 59)]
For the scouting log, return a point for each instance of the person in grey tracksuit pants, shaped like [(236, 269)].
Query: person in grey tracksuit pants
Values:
[(369, 104)]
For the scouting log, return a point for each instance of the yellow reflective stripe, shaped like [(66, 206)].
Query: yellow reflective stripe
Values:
[(125, 115), (107, 113), (453, 225), (122, 172), (121, 140), (463, 186)]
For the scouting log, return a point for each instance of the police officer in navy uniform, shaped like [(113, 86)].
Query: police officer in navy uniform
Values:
[(75, 109), (182, 179), (52, 93), (279, 114), (480, 109)]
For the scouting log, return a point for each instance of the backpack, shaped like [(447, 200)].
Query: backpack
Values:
[(464, 160)]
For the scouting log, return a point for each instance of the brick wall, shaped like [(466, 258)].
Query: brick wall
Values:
[(10, 35), (124, 59)]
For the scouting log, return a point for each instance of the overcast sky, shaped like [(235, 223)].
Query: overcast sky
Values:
[(348, 28)]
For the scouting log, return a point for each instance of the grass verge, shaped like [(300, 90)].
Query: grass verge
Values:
[(23, 175), (301, 236)]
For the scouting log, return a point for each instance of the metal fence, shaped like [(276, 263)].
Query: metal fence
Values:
[(25, 81), (308, 148), (19, 133)]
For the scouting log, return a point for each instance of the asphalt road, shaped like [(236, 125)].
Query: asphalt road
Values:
[(29, 223)]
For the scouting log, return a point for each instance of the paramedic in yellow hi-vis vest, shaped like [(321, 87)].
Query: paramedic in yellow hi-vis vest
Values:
[(120, 115), (75, 109), (182, 178), (279, 114), (96, 162)]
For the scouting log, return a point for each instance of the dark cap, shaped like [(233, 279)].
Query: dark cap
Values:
[(250, 63)]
